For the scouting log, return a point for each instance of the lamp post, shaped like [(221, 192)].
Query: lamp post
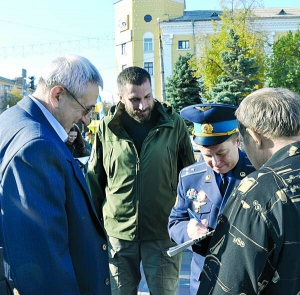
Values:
[(162, 70)]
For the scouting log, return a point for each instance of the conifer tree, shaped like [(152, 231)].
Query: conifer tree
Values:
[(238, 15), (238, 74), (182, 87)]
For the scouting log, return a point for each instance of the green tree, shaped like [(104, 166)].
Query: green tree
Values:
[(284, 63), (237, 15), (12, 99), (182, 87), (238, 74)]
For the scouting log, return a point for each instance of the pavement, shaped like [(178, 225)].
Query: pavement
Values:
[(184, 277)]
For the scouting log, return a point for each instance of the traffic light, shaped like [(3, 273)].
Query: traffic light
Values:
[(31, 82)]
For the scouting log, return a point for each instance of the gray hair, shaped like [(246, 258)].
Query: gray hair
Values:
[(273, 112), (72, 72)]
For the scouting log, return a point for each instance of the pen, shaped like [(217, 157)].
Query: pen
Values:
[(193, 215)]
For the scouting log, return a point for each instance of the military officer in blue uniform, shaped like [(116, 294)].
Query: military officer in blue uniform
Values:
[(205, 186)]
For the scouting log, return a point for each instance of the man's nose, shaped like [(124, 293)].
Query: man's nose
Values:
[(142, 105), (85, 120), (215, 161)]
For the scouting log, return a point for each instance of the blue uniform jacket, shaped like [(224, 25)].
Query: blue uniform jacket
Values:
[(53, 241), (201, 177)]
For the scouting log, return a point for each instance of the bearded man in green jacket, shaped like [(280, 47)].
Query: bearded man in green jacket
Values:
[(138, 152)]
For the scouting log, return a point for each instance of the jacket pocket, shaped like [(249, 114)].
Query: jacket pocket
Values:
[(205, 210)]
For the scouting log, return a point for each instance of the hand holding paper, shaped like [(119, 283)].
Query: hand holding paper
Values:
[(179, 248)]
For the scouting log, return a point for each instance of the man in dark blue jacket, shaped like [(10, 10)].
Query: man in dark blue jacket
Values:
[(205, 186), (54, 242)]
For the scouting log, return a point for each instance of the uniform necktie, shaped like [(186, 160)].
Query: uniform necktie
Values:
[(223, 184)]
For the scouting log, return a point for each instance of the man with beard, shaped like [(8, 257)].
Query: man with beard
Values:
[(138, 152)]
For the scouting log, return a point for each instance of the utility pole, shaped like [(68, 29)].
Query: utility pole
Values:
[(24, 84), (162, 73)]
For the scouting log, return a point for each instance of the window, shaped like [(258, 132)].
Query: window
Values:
[(123, 48), (148, 44), (148, 66), (184, 44)]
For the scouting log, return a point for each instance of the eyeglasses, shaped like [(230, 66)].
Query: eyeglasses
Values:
[(86, 111)]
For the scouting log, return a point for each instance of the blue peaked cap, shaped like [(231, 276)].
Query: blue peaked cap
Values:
[(213, 123)]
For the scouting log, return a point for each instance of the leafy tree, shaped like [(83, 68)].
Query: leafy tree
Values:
[(182, 87), (237, 15), (284, 64), (12, 99), (238, 77)]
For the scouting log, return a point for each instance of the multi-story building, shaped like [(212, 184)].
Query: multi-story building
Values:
[(7, 86), (152, 34)]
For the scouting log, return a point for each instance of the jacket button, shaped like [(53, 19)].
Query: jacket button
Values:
[(104, 247), (106, 282)]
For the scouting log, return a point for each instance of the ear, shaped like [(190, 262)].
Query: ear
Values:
[(121, 98), (55, 95), (256, 137), (238, 141)]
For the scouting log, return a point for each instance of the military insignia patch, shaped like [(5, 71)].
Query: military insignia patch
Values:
[(200, 201), (201, 196), (191, 194)]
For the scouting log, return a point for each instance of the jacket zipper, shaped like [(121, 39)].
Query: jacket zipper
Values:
[(138, 195), (170, 160)]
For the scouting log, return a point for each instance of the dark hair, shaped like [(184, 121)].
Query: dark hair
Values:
[(79, 142), (132, 75)]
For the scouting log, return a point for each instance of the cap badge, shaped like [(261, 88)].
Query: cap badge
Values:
[(203, 109), (207, 128)]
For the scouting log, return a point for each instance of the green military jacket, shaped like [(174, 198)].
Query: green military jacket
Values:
[(134, 194)]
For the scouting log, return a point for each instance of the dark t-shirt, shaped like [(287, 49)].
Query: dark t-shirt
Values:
[(139, 131)]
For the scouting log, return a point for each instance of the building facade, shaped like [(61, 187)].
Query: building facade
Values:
[(152, 34), (6, 88), (10, 87)]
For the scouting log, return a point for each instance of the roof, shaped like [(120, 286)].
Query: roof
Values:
[(7, 80), (204, 15), (200, 15)]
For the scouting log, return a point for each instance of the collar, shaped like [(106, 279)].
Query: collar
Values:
[(52, 120)]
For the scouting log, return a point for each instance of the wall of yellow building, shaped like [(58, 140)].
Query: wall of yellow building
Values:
[(176, 52), (134, 12)]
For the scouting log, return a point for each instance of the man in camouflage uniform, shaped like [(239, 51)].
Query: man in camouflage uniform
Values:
[(256, 246)]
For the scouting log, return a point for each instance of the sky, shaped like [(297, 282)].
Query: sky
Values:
[(32, 33)]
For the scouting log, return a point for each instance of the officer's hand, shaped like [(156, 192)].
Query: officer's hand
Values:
[(196, 229)]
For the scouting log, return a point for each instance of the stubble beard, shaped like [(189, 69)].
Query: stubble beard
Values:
[(140, 117)]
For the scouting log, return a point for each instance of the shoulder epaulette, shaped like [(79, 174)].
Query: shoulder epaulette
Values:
[(198, 167)]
